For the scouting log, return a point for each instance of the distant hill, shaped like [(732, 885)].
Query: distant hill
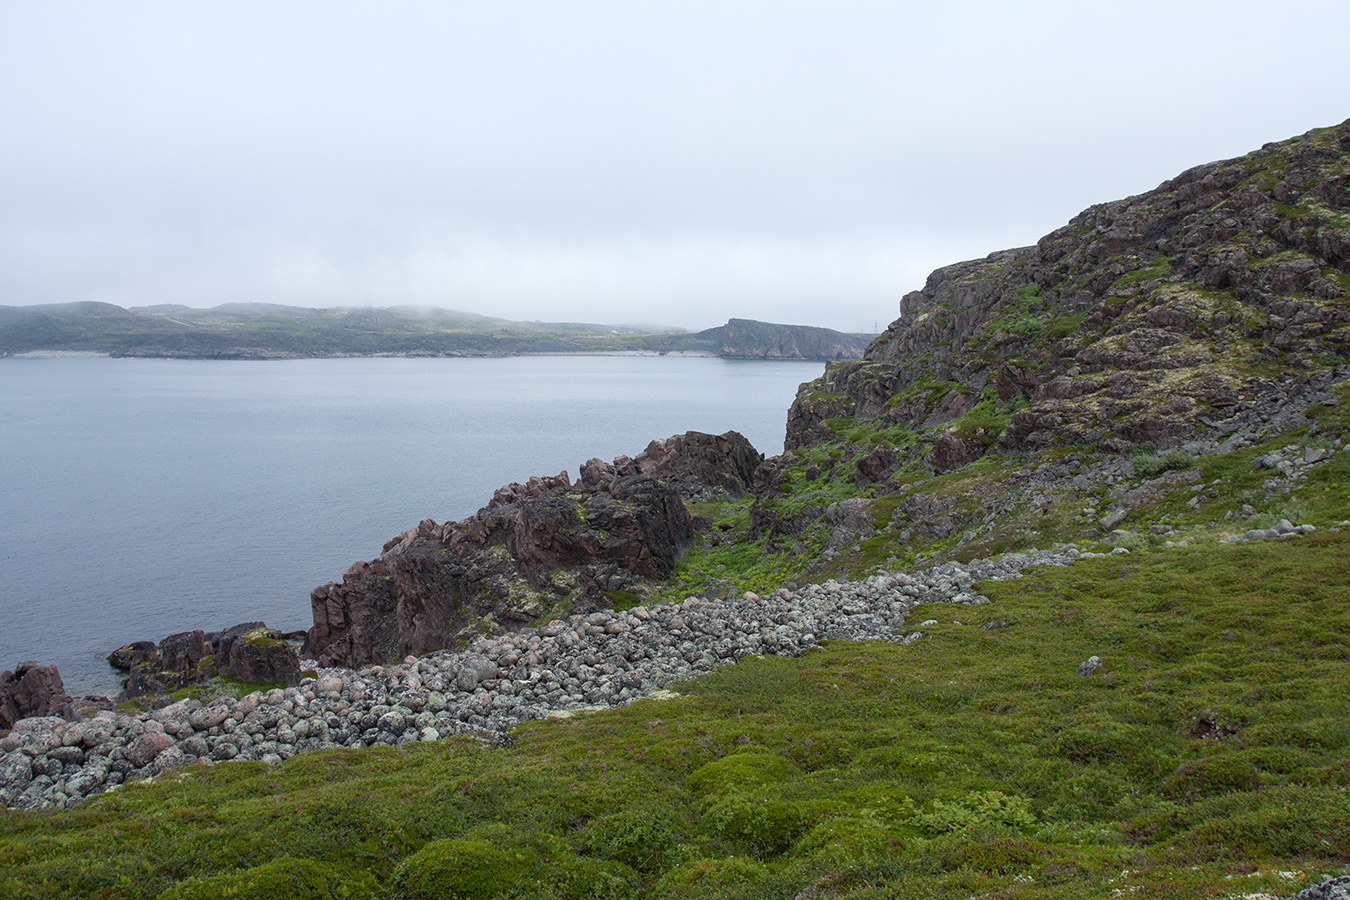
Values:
[(748, 339), (270, 331)]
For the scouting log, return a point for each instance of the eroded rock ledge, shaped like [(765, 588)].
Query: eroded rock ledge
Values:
[(544, 548)]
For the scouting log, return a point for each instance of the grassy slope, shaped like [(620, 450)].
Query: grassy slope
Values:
[(1209, 753)]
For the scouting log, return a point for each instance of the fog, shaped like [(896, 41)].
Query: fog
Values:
[(608, 162)]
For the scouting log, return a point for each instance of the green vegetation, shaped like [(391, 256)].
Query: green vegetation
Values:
[(264, 331), (1150, 465), (1211, 749), (1159, 268)]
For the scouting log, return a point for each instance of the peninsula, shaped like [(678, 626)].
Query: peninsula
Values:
[(267, 331)]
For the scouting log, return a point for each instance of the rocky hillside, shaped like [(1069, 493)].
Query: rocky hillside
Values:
[(1088, 384), (1159, 318), (1113, 383)]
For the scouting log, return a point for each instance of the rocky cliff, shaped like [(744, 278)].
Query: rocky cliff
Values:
[(1159, 318), (540, 549)]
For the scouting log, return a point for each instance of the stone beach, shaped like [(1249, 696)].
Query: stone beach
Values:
[(599, 660)]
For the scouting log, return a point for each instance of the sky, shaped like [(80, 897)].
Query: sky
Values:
[(614, 162)]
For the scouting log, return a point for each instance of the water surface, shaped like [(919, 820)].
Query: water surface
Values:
[(145, 497)]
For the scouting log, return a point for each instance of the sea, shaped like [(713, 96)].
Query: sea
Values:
[(140, 497)]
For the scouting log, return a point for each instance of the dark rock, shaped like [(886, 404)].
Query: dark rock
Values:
[(182, 652), (951, 452), (260, 655), (223, 642), (875, 466), (695, 461), (1331, 889), (851, 520), (130, 655), (31, 690), (176, 663)]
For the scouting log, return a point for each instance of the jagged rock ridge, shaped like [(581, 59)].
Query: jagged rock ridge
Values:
[(1158, 318), (540, 549)]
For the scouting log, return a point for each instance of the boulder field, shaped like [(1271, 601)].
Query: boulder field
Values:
[(584, 661)]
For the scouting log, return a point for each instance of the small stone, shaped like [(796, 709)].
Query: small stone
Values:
[(1112, 519), (1088, 666), (142, 751)]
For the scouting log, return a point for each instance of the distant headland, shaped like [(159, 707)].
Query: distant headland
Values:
[(267, 331)]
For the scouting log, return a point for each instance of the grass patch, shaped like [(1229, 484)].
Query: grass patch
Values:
[(1159, 268)]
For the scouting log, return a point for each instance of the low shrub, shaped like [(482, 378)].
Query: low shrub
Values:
[(640, 837), (763, 825), (281, 879), (579, 878), (1198, 778), (738, 771), (1151, 466), (709, 878), (847, 839), (463, 868), (984, 809)]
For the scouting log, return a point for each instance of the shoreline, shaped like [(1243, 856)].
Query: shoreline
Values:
[(642, 354)]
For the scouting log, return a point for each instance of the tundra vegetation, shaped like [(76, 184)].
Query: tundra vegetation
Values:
[(1165, 377)]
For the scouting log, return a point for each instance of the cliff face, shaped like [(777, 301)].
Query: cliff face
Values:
[(545, 548), (1158, 318)]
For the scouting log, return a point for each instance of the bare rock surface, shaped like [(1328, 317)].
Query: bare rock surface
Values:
[(31, 690)]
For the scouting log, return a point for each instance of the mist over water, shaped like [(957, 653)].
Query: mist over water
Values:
[(146, 497)]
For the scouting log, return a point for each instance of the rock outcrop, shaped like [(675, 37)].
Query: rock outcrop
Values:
[(249, 652), (1162, 318), (539, 549), (31, 690)]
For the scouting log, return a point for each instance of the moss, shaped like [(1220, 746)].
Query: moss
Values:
[(622, 600), (281, 879), (467, 869), (260, 638), (1158, 268)]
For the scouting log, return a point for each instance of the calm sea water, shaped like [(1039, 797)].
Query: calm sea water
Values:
[(143, 497)]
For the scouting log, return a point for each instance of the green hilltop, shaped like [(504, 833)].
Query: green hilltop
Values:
[(1163, 385), (270, 331)]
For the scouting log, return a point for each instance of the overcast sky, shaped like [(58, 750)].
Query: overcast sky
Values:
[(617, 162)]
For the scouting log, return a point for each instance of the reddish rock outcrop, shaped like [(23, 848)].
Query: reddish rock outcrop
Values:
[(539, 549), (31, 690), (249, 651), (694, 463), (260, 655)]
